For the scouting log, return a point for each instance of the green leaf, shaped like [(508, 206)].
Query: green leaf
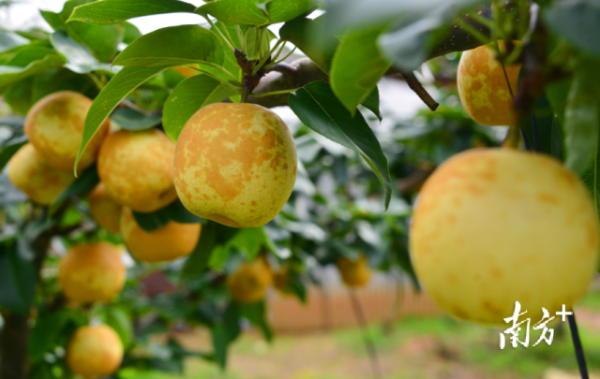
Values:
[(415, 24), (198, 260), (357, 67), (102, 40), (256, 313), (79, 58), (578, 21), (225, 332), (173, 46), (187, 98), (318, 108), (121, 85), (113, 11), (12, 74), (61, 80), (10, 40), (249, 241), (82, 185), (557, 93), (117, 318), (17, 277), (372, 103), (131, 119), (131, 33), (10, 149), (172, 212), (19, 95), (582, 116), (548, 132), (255, 12), (45, 334), (312, 39)]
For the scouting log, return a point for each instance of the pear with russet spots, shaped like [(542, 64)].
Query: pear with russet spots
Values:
[(482, 86), (30, 173), (166, 243), (92, 273), (235, 164), (54, 125), (496, 226), (94, 351), (104, 209), (136, 168)]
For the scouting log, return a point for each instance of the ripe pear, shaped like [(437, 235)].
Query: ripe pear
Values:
[(167, 243), (354, 273), (482, 86), (104, 210), (235, 164), (92, 273), (137, 169), (249, 283), (54, 125), (30, 173), (496, 226), (94, 351)]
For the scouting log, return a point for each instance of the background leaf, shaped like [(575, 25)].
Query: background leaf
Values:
[(173, 46), (131, 119), (172, 212), (10, 40), (255, 12), (9, 149), (318, 108), (12, 74), (357, 67), (17, 277), (578, 21), (113, 11), (82, 185), (187, 98), (312, 38), (125, 81), (79, 58), (582, 116)]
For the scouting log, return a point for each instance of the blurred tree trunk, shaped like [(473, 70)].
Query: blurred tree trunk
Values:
[(14, 360)]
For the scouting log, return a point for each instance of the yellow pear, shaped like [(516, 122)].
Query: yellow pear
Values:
[(482, 86), (104, 210), (92, 273), (167, 243), (30, 173), (54, 125), (94, 351), (235, 164), (249, 283), (354, 273), (137, 169), (497, 226)]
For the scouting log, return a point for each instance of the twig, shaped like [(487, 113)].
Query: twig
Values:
[(578, 347), (360, 317), (418, 88), (285, 69)]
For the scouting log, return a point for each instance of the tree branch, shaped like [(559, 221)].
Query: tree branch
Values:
[(303, 71)]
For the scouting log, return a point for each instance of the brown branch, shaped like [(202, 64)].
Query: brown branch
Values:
[(418, 88), (303, 71)]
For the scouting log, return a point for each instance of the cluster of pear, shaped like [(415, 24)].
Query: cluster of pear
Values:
[(493, 226), (234, 164)]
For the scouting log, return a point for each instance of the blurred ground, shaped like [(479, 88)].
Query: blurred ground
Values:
[(413, 348)]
